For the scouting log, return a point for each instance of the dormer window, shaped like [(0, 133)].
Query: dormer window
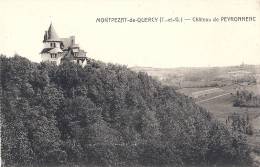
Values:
[(53, 44)]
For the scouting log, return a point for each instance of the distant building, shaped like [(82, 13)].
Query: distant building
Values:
[(57, 50)]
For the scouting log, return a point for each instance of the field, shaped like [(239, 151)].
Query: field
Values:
[(222, 106), (223, 80), (212, 88)]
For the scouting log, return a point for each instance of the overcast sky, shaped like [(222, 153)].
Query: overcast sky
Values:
[(22, 26)]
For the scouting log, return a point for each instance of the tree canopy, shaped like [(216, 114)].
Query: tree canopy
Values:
[(105, 114)]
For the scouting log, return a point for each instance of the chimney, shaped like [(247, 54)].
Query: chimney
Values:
[(72, 39)]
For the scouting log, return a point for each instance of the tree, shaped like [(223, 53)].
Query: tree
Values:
[(44, 136)]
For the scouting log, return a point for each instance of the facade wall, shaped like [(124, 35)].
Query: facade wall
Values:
[(47, 58), (48, 44)]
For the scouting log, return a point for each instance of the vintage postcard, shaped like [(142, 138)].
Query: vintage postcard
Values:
[(131, 83)]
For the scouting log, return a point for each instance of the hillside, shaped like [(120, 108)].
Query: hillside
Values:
[(106, 115)]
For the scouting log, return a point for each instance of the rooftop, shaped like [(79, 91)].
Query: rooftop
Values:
[(51, 34)]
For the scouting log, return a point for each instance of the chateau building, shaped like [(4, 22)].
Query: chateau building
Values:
[(57, 50)]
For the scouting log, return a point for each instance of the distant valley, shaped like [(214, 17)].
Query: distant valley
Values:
[(214, 88)]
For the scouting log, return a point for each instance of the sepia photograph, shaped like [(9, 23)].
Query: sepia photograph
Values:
[(130, 83)]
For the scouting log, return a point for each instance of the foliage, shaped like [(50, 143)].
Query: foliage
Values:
[(240, 123), (105, 114), (245, 98)]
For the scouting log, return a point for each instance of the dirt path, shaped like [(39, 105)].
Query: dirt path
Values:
[(213, 98)]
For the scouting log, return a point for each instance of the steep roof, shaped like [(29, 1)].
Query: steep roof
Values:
[(66, 42), (51, 50), (52, 35), (81, 54), (45, 50)]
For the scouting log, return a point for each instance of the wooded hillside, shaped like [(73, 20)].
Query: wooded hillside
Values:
[(105, 114)]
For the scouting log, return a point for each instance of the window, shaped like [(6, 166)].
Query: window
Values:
[(53, 44), (53, 55)]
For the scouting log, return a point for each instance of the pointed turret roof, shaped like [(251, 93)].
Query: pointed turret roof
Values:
[(52, 35)]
